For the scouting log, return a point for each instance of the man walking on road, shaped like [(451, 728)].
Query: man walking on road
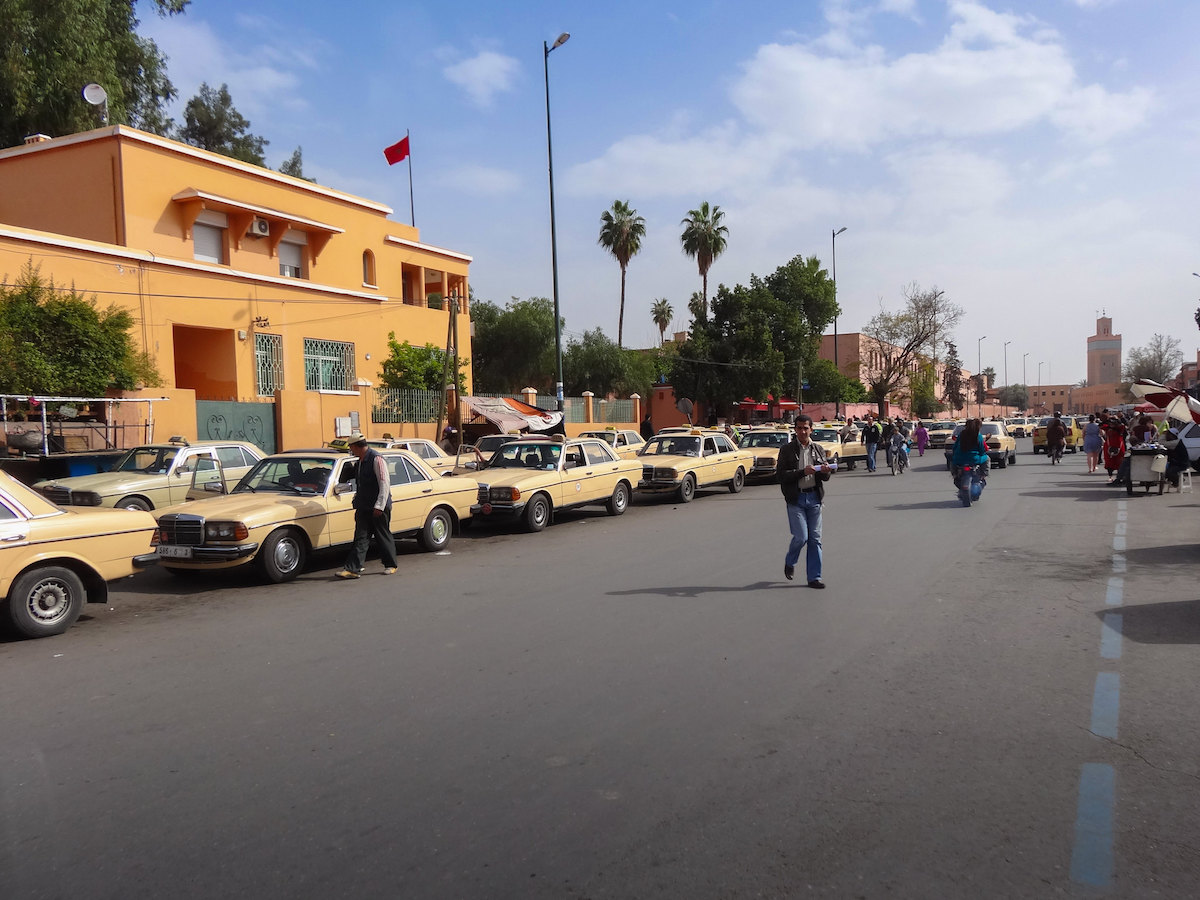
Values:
[(803, 470), (871, 435), (372, 511)]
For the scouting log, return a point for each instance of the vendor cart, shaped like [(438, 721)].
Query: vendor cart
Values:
[(1142, 468)]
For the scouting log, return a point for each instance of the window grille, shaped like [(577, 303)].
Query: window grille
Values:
[(328, 365), (268, 363)]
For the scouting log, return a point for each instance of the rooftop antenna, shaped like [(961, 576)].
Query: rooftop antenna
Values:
[(97, 96)]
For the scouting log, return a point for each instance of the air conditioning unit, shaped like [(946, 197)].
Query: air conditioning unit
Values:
[(260, 228)]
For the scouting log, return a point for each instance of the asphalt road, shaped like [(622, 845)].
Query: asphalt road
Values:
[(642, 707)]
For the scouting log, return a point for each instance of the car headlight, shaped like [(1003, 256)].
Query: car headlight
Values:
[(505, 494), (226, 531), (85, 498)]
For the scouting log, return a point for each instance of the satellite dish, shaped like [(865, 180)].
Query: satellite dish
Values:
[(684, 405), (97, 96)]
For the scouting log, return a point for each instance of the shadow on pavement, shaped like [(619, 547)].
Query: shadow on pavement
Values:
[(1172, 622), (929, 504), (697, 590), (1180, 556)]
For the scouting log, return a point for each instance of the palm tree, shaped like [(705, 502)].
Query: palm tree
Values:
[(703, 239), (621, 233), (661, 312)]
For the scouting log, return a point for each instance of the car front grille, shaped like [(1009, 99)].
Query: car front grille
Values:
[(483, 493), (765, 462), (182, 529), (57, 495)]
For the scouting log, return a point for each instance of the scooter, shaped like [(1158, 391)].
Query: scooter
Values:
[(970, 481)]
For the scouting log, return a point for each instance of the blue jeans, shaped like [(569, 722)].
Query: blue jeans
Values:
[(804, 520), (871, 448)]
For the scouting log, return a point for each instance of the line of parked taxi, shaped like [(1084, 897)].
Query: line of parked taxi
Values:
[(207, 506)]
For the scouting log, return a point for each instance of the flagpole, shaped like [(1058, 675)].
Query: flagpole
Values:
[(412, 210)]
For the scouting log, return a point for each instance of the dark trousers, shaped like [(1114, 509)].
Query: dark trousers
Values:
[(366, 526)]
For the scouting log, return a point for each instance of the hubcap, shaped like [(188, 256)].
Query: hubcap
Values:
[(287, 555), (438, 529), (49, 601)]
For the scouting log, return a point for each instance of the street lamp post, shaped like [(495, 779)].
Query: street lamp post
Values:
[(837, 403), (558, 385), (1006, 343), (1040, 401), (979, 375), (1025, 381)]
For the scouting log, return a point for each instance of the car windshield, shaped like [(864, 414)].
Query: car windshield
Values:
[(609, 437), (490, 443), (155, 460), (825, 434), (674, 445), (768, 439), (291, 474), (941, 426), (989, 428), (522, 455)]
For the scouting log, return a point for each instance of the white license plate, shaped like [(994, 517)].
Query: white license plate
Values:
[(172, 552)]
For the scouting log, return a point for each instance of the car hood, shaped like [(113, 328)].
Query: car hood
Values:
[(517, 477), (246, 506), (106, 483)]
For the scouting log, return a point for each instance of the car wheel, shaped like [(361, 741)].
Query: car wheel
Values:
[(537, 513), (619, 501), (1003, 462), (46, 601), (1012, 460), (282, 555), (687, 490), (738, 481), (437, 531), (134, 503)]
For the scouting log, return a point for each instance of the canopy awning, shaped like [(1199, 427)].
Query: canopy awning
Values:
[(508, 414)]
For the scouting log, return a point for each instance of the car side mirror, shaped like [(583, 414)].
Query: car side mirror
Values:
[(215, 487), (183, 470), (345, 487)]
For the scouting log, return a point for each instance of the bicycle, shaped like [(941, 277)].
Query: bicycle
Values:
[(898, 458)]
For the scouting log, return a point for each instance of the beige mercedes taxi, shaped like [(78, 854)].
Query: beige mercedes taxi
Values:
[(765, 442), (431, 454), (291, 504), (153, 475), (682, 462), (53, 560), (530, 479), (847, 455), (626, 443)]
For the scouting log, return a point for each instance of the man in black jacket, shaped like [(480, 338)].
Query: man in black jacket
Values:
[(803, 470), (871, 435)]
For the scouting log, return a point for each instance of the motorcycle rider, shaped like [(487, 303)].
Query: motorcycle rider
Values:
[(969, 450)]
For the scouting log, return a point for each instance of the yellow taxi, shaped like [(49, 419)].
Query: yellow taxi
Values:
[(291, 504), (847, 455), (681, 462), (530, 479), (1074, 434), (431, 454), (153, 475), (53, 560), (625, 443), (765, 442)]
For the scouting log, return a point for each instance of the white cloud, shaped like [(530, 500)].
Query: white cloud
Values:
[(484, 75)]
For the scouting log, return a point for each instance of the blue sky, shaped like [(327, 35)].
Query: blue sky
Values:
[(1035, 159)]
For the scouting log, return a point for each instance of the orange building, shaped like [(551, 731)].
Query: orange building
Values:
[(265, 300)]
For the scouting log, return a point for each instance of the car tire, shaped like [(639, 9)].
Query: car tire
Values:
[(537, 513), (282, 555), (1012, 460), (438, 529), (738, 481), (687, 489), (46, 601), (619, 501), (1003, 462), (134, 503)]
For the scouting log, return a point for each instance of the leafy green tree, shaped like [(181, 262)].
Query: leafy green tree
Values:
[(903, 338), (55, 341), (417, 368), (1015, 395), (50, 49), (826, 384), (621, 233), (953, 389), (294, 166), (704, 239), (594, 363), (210, 122), (661, 312), (513, 346)]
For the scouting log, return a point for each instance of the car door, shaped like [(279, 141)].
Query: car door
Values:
[(339, 502), (411, 490), (604, 470), (15, 529), (195, 466), (235, 462), (578, 483)]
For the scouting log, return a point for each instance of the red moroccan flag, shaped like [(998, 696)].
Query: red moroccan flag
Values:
[(397, 152)]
